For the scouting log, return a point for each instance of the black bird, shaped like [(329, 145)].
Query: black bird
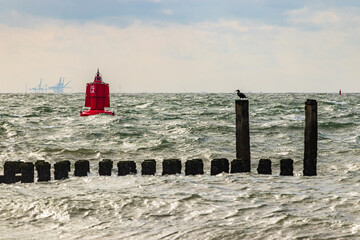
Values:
[(240, 94)]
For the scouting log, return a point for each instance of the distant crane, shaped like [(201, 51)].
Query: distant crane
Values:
[(38, 89), (59, 88)]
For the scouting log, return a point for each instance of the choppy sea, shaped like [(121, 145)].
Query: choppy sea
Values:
[(184, 126)]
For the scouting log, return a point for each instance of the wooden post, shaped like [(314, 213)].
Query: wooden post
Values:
[(243, 133), (105, 167), (126, 167), (264, 166), (286, 167), (27, 172), (171, 166), (194, 167), (11, 168), (61, 170), (82, 167), (148, 167), (311, 137), (219, 165), (43, 170)]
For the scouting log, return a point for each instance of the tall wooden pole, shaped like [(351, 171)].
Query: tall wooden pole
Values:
[(243, 133), (311, 137)]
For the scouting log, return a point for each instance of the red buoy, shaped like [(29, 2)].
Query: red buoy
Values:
[(97, 97)]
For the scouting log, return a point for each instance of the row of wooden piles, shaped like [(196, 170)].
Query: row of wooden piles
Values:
[(16, 171), (242, 163)]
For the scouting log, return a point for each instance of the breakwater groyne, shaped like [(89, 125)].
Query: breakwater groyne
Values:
[(18, 171)]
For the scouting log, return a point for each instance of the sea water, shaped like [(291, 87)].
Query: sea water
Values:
[(184, 126)]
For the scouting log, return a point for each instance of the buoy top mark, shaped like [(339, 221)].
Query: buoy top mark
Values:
[(98, 78)]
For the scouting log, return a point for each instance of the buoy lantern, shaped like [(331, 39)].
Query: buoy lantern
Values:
[(97, 97)]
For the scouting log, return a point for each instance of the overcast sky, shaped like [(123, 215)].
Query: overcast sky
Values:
[(182, 45)]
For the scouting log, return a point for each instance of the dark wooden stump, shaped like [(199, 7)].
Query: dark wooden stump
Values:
[(61, 170), (219, 165), (148, 167), (27, 172), (171, 166), (237, 166), (194, 167), (11, 168), (126, 168), (43, 170), (82, 167), (286, 167), (264, 166), (105, 167)]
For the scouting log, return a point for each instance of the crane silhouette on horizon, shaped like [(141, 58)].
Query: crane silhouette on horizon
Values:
[(60, 86)]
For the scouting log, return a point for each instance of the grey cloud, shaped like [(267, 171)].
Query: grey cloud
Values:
[(182, 11)]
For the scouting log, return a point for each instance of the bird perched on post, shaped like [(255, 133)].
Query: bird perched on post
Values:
[(240, 94)]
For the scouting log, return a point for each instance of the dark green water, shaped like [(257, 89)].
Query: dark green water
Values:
[(184, 126)]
